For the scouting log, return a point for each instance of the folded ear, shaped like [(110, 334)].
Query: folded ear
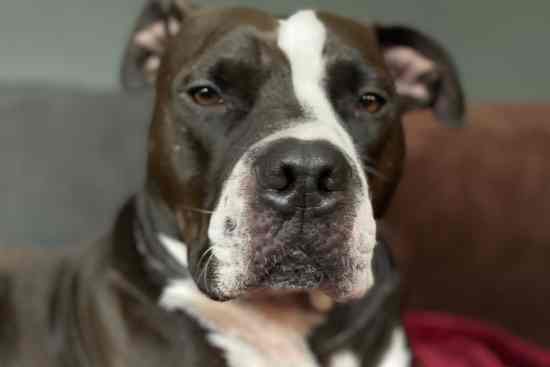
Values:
[(159, 20), (425, 76)]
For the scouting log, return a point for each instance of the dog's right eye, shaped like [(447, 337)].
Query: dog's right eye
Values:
[(372, 102), (206, 96)]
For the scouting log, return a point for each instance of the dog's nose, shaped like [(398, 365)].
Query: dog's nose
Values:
[(312, 175)]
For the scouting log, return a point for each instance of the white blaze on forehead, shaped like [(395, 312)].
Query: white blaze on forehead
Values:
[(302, 37)]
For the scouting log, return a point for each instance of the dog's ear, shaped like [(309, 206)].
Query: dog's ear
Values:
[(159, 20), (425, 76)]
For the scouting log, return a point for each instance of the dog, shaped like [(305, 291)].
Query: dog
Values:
[(276, 143)]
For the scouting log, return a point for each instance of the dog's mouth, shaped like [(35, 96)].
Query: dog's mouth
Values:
[(302, 254)]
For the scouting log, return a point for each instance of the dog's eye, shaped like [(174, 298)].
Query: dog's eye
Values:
[(206, 96), (371, 102)]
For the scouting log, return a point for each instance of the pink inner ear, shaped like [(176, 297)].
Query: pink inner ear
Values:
[(409, 69), (152, 39)]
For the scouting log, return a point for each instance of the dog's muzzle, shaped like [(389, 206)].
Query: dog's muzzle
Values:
[(293, 214)]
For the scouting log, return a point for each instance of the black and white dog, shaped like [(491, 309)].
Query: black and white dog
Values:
[(274, 147)]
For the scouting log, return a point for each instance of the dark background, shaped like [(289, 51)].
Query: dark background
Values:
[(69, 156)]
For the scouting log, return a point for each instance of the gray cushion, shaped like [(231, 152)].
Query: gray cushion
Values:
[(68, 159)]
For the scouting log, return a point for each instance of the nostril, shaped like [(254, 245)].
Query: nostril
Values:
[(326, 182), (280, 178), (289, 177)]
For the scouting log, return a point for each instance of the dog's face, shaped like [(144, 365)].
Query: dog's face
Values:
[(277, 142)]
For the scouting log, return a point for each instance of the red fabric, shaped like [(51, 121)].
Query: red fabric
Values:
[(441, 340)]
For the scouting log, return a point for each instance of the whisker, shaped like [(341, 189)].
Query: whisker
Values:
[(367, 163), (205, 271), (208, 250), (373, 171), (197, 210), (202, 273)]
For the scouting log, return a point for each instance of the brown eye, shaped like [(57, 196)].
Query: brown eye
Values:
[(206, 96), (371, 102)]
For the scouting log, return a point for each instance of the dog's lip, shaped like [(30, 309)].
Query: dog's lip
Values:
[(322, 296)]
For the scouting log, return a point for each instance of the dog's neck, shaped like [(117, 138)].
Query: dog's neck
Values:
[(136, 251), (152, 233)]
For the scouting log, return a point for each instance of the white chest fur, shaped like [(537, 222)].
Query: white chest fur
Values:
[(248, 335), (252, 336)]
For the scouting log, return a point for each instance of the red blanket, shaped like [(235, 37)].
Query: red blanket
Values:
[(440, 340)]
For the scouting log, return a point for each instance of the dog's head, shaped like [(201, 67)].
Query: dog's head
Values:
[(276, 143)]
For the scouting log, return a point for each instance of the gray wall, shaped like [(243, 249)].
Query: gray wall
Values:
[(501, 46)]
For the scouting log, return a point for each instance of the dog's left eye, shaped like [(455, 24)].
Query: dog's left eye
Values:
[(371, 102), (206, 96)]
